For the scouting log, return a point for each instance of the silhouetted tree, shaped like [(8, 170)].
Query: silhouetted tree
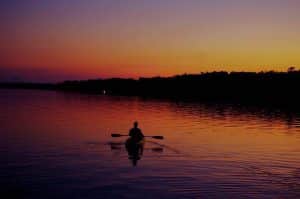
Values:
[(291, 69)]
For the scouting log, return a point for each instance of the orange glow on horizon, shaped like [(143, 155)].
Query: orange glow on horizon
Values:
[(173, 38)]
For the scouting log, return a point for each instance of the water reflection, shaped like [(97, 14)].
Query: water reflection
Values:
[(54, 145), (136, 151), (239, 112)]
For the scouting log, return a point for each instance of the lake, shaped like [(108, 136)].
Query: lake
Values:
[(58, 145)]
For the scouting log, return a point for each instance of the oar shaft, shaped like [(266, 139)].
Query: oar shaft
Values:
[(121, 135), (117, 135)]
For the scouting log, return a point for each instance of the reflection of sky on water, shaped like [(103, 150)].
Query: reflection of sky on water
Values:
[(59, 145)]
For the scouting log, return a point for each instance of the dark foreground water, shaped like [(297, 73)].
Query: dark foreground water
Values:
[(57, 145)]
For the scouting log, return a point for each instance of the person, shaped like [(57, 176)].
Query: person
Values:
[(133, 145), (135, 133)]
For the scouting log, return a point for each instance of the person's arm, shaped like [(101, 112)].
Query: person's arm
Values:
[(142, 135)]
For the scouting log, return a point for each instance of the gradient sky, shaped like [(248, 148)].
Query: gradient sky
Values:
[(52, 40)]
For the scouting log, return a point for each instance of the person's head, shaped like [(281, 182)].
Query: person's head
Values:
[(135, 124)]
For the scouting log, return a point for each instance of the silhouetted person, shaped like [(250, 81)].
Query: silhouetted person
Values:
[(135, 144), (135, 133)]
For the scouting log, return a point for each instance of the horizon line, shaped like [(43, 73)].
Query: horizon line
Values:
[(289, 69)]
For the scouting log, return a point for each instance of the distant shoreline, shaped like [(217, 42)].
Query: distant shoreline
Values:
[(270, 88)]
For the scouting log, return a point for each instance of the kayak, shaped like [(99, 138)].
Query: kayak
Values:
[(135, 150), (132, 144)]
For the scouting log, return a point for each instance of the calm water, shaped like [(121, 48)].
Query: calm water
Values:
[(57, 145)]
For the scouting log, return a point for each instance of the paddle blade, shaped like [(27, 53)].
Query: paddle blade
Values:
[(158, 137)]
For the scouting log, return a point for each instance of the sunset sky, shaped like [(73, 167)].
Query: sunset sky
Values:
[(53, 40)]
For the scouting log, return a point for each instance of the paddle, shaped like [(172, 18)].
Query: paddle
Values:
[(154, 137)]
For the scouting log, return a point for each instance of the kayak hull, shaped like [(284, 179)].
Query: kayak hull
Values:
[(130, 143), (135, 150)]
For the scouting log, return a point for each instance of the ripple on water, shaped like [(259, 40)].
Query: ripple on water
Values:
[(57, 145)]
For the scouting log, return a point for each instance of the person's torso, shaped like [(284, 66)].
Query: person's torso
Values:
[(136, 133)]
